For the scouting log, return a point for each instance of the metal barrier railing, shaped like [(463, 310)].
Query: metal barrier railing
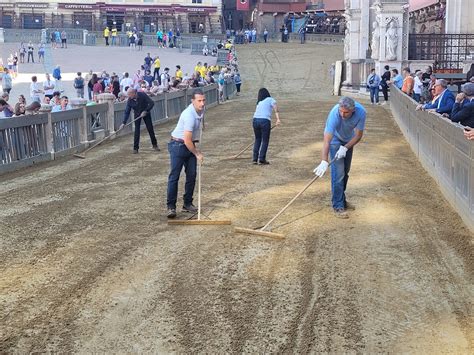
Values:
[(96, 119), (65, 129), (22, 138), (26, 140)]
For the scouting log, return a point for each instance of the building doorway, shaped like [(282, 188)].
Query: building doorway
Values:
[(32, 21)]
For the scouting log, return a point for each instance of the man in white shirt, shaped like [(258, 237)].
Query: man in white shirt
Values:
[(165, 79), (183, 152), (48, 86), (126, 83), (35, 89)]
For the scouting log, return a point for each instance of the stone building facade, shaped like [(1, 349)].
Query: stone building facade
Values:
[(190, 16)]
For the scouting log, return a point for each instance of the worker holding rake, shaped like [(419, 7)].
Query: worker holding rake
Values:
[(344, 129), (183, 152)]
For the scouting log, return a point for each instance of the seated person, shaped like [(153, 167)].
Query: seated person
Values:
[(33, 108), (155, 88), (463, 109), (443, 100)]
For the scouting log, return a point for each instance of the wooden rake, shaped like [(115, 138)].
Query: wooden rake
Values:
[(262, 231), (83, 154), (198, 221), (244, 150)]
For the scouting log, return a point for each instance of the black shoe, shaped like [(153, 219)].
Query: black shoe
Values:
[(171, 213), (190, 208), (263, 162), (135, 151), (155, 147), (255, 162)]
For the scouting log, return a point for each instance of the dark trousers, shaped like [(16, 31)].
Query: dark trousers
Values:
[(106, 41), (181, 156), (265, 38), (261, 128), (237, 86), (339, 176), (149, 127), (385, 92), (156, 75), (30, 55)]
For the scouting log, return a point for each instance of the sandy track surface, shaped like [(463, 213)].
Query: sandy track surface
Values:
[(88, 263)]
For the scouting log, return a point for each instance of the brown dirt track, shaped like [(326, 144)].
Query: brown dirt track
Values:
[(88, 263)]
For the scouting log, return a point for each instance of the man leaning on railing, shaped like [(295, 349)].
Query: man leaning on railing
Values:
[(443, 100), (463, 109)]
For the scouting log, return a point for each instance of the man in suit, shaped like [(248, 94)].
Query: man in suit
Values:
[(443, 100), (463, 109), (142, 105)]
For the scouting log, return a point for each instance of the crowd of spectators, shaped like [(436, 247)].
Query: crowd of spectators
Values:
[(431, 94), (150, 78)]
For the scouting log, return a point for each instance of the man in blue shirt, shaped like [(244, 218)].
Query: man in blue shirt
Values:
[(443, 99), (183, 152), (397, 79), (344, 129)]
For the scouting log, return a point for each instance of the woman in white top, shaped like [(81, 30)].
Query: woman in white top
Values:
[(262, 119)]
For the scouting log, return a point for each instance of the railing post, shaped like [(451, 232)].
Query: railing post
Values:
[(48, 129), (109, 99), (166, 103), (81, 103), (2, 35), (84, 37)]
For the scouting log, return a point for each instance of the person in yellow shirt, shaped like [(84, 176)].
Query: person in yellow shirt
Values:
[(106, 35), (197, 67), (157, 66), (203, 70), (228, 45), (179, 73), (114, 36)]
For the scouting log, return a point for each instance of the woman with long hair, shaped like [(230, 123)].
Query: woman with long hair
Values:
[(262, 119)]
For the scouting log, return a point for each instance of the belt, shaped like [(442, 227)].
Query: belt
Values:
[(181, 140)]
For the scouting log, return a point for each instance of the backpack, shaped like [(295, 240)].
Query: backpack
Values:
[(78, 83)]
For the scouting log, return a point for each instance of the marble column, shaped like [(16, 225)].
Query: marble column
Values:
[(459, 16)]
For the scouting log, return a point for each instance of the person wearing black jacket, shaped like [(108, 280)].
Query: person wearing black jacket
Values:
[(463, 109), (384, 83), (142, 105)]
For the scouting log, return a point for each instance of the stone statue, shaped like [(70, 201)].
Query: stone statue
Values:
[(391, 38), (375, 44)]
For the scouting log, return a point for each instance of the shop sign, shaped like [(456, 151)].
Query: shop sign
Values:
[(32, 6), (78, 6), (6, 5)]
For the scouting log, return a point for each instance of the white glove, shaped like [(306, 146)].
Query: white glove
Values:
[(341, 153), (321, 168)]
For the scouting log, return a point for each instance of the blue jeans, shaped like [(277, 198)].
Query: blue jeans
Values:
[(374, 94), (181, 156), (261, 128), (339, 176)]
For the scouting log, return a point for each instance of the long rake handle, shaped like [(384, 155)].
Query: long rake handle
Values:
[(199, 191), (246, 148), (289, 203), (294, 198), (110, 135)]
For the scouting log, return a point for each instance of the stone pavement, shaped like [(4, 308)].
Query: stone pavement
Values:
[(83, 58)]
